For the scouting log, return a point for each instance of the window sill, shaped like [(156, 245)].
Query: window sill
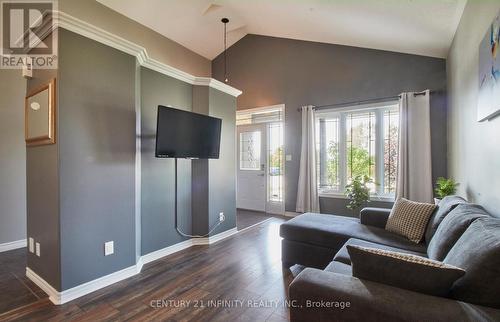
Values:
[(339, 195)]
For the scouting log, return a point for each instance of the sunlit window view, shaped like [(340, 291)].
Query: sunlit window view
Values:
[(391, 127), (328, 147), (354, 144), (360, 138), (275, 159)]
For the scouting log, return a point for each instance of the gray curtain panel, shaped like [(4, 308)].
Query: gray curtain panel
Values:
[(414, 179), (307, 191)]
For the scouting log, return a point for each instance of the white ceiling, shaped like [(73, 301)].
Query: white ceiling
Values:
[(424, 27)]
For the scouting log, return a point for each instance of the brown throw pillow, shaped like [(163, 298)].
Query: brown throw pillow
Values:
[(409, 218), (410, 272)]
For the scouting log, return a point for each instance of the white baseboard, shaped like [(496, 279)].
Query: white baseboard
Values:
[(148, 258), (58, 298), (13, 245), (291, 214), (54, 295), (215, 238)]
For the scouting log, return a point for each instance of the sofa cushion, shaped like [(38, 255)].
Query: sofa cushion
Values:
[(343, 255), (478, 252), (411, 272), (333, 231), (446, 205), (409, 218), (340, 268), (452, 227)]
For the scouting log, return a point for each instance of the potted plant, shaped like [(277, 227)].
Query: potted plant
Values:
[(444, 187), (358, 193)]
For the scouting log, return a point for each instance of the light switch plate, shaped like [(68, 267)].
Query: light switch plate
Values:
[(109, 248), (31, 245), (37, 249), (289, 157)]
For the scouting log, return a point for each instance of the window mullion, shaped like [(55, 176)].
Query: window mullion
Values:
[(379, 151), (342, 152)]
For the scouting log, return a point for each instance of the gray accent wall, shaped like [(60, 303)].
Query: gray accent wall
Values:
[(83, 191), (157, 188), (273, 71), (214, 180), (96, 158), (474, 152), (222, 171), (42, 197), (12, 157)]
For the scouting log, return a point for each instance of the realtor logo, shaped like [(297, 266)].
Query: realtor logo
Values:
[(26, 35)]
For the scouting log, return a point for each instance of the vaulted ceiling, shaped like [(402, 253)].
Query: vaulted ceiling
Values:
[(423, 27)]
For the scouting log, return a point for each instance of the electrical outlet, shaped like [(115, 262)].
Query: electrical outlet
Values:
[(31, 245), (109, 248), (37, 249), (222, 217)]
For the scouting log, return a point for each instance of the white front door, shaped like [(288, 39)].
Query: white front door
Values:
[(251, 185)]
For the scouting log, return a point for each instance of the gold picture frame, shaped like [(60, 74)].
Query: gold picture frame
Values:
[(40, 114)]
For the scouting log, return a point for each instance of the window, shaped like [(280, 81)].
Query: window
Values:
[(275, 161), (355, 142), (250, 150)]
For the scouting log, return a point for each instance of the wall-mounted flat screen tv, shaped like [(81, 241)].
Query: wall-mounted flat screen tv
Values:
[(182, 134)]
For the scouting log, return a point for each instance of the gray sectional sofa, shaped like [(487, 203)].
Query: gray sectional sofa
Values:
[(458, 233)]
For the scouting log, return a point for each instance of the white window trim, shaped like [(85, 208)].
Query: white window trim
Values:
[(376, 108)]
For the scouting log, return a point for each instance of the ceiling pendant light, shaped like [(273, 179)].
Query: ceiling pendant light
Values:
[(225, 21)]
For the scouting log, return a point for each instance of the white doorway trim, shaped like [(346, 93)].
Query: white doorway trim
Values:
[(271, 206)]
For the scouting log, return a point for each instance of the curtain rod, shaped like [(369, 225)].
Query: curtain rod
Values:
[(373, 100)]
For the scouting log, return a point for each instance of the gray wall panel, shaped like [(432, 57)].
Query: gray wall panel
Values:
[(274, 70), (97, 158), (157, 210), (12, 157), (222, 171), (42, 197), (474, 152)]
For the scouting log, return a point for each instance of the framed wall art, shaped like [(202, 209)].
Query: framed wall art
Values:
[(40, 113)]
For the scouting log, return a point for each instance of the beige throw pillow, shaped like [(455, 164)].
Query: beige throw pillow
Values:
[(409, 218)]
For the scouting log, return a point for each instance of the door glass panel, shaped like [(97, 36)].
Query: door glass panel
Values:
[(275, 158), (250, 150)]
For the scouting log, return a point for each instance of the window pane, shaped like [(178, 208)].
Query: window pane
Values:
[(391, 127), (275, 161), (250, 150), (360, 141), (327, 147)]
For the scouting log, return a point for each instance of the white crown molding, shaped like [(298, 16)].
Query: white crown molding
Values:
[(13, 245), (59, 298), (68, 22)]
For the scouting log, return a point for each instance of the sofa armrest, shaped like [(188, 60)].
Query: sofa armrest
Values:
[(376, 217), (317, 295)]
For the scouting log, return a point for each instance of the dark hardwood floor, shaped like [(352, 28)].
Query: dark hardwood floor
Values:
[(16, 289), (248, 218), (245, 267)]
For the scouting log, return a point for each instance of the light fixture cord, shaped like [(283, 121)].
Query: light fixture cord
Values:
[(225, 53)]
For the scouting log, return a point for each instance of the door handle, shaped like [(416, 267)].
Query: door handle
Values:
[(261, 175)]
